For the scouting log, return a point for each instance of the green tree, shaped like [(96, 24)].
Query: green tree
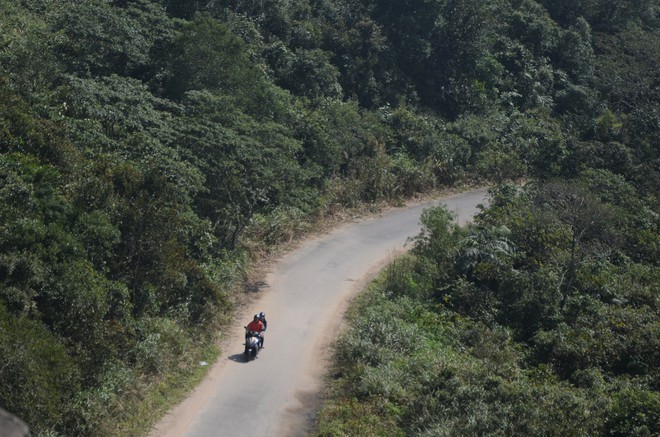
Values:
[(250, 167), (309, 73), (39, 378), (101, 38), (582, 221), (24, 131), (207, 56), (27, 57), (33, 238)]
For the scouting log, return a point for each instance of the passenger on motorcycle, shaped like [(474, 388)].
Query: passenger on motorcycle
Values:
[(262, 317), (257, 326)]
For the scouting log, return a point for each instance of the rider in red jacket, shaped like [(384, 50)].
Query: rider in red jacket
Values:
[(257, 326)]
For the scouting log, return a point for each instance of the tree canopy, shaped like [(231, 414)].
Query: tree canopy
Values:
[(150, 150)]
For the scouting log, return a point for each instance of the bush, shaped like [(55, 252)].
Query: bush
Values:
[(281, 225), (635, 412), (412, 178), (38, 376), (161, 342), (406, 277)]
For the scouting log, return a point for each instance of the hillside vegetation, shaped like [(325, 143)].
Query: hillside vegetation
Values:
[(540, 319), (150, 150)]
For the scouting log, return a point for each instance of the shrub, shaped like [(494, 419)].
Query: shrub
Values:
[(636, 412), (38, 376)]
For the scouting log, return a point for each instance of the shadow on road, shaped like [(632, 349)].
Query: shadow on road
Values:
[(238, 358)]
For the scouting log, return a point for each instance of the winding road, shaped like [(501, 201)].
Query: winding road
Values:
[(304, 298)]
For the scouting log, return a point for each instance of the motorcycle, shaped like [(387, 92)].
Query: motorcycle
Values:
[(252, 344)]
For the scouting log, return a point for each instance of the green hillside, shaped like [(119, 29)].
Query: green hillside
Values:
[(152, 150)]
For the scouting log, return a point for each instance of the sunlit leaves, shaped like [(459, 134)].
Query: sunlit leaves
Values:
[(509, 351), (100, 38), (26, 50), (249, 167), (140, 139)]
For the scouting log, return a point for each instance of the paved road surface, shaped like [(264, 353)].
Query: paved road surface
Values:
[(304, 298)]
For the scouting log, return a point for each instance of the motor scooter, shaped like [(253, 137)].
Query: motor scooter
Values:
[(252, 344)]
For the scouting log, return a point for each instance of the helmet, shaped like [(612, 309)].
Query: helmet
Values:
[(262, 315), (256, 317)]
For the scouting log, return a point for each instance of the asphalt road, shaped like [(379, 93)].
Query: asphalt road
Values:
[(304, 298)]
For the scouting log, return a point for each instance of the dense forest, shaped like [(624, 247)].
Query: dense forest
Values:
[(151, 150)]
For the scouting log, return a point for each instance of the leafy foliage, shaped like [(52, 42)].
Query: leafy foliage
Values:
[(149, 149), (477, 333)]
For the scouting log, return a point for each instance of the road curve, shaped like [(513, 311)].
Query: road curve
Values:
[(304, 298)]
